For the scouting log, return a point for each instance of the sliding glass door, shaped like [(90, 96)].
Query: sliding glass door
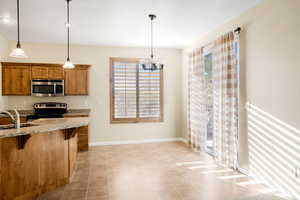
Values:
[(209, 91)]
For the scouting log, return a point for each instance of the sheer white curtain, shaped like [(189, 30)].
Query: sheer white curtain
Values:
[(196, 105), (225, 95)]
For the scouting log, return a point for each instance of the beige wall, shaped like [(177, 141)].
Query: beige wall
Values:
[(270, 69), (98, 101), (3, 55)]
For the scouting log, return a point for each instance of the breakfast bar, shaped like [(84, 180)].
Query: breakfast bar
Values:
[(39, 157)]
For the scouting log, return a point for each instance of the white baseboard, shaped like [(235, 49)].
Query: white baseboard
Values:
[(184, 140), (245, 171), (137, 141)]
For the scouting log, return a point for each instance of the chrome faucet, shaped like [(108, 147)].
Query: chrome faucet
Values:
[(16, 120)]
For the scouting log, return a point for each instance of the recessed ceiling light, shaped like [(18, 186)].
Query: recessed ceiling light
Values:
[(5, 20)]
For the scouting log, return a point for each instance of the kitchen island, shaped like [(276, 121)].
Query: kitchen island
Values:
[(38, 158)]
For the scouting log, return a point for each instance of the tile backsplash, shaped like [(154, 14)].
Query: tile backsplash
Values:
[(25, 102)]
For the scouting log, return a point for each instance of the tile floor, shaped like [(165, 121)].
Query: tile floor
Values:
[(161, 171)]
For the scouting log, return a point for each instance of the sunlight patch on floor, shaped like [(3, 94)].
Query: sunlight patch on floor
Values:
[(246, 183), (232, 177), (217, 171), (190, 163), (203, 167)]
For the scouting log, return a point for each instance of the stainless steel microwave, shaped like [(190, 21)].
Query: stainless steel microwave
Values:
[(47, 88)]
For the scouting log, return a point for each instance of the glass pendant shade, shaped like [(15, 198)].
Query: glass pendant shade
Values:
[(68, 64), (151, 64), (18, 53)]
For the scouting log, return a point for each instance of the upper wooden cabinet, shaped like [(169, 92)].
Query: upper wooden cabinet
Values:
[(39, 72), (52, 72), (16, 79), (77, 81), (55, 73)]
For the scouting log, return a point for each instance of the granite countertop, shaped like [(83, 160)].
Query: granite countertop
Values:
[(46, 125), (76, 112), (70, 113)]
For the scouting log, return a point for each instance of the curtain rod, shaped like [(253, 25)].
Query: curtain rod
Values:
[(238, 30)]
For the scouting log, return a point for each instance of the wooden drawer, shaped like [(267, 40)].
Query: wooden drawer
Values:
[(7, 120)]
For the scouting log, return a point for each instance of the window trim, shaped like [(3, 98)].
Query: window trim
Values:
[(114, 120)]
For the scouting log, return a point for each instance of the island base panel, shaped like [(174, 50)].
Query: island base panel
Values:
[(46, 162)]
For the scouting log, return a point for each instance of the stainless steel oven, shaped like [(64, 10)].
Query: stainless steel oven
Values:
[(47, 88)]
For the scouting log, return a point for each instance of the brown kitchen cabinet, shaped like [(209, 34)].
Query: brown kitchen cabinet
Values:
[(55, 73), (77, 81), (47, 162), (16, 79), (39, 72), (83, 138), (83, 135), (50, 72)]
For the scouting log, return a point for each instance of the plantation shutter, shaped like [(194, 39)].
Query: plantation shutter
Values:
[(124, 86), (136, 94), (149, 93)]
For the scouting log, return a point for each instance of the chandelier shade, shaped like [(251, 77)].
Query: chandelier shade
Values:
[(151, 64)]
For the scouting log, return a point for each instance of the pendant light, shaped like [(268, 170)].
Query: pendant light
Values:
[(151, 64), (18, 52), (68, 64)]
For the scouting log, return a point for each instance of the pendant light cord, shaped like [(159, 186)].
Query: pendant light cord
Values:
[(18, 18), (68, 28), (152, 38)]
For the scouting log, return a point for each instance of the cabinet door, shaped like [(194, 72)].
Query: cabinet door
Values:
[(70, 82), (76, 81), (16, 80), (83, 138), (55, 73), (39, 72)]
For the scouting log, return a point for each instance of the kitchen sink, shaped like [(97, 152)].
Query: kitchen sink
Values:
[(12, 126)]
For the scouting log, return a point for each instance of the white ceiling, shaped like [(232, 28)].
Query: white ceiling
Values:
[(119, 22)]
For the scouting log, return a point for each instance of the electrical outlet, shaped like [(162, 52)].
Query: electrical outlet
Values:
[(297, 172)]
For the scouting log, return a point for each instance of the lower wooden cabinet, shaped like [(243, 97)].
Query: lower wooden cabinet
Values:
[(83, 135), (83, 138), (46, 162)]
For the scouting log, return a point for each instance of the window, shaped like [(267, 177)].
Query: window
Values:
[(136, 95)]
